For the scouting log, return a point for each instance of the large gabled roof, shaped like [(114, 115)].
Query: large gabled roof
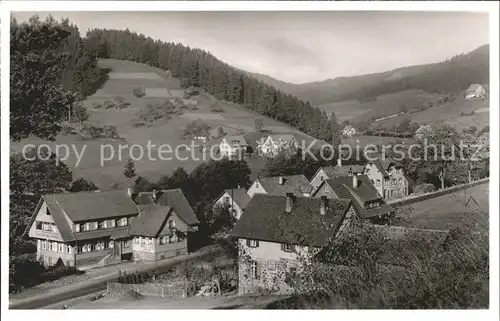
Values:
[(174, 198), (151, 220), (291, 184), (265, 219)]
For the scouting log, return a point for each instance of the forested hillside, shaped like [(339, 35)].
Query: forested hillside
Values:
[(50, 68), (450, 76), (197, 67)]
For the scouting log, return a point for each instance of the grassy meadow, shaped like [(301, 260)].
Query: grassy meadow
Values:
[(123, 78)]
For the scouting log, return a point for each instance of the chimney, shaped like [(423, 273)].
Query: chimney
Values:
[(355, 181), (130, 191), (289, 202), (154, 195), (281, 180), (323, 205), (339, 162)]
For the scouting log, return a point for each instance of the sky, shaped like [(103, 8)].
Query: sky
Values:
[(301, 47)]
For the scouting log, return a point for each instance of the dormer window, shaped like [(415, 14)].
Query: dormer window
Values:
[(171, 224)]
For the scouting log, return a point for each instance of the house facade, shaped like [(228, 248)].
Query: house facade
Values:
[(272, 145), (475, 91), (232, 146), (388, 178), (87, 228), (330, 172), (277, 234), (234, 199)]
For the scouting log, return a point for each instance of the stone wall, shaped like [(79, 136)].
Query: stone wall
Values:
[(270, 278)]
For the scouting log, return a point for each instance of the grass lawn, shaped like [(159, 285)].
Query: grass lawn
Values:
[(451, 114), (469, 206), (384, 105)]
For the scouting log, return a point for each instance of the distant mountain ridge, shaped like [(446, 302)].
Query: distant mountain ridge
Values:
[(452, 75)]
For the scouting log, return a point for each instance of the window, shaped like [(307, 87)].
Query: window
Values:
[(271, 265), (322, 178), (54, 228), (86, 227), (46, 227), (378, 182), (149, 241), (254, 270), (136, 240), (226, 199), (143, 240), (171, 223), (48, 212), (77, 227), (94, 226), (124, 221), (38, 225), (111, 244), (126, 243), (287, 247), (79, 249), (44, 245), (252, 243), (163, 240), (111, 223), (102, 225), (173, 238), (93, 247), (61, 247)]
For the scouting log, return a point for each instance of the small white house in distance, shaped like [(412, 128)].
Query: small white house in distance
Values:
[(475, 91), (235, 199), (232, 145), (348, 131)]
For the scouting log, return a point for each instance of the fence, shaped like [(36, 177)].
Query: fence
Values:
[(441, 192), (176, 290)]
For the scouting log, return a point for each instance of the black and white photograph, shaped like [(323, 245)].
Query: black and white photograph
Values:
[(253, 158)]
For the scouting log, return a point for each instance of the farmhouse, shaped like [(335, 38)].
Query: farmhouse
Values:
[(366, 201), (388, 178), (475, 91), (330, 172), (235, 200), (281, 185), (274, 231), (232, 145), (275, 144), (88, 228), (348, 131)]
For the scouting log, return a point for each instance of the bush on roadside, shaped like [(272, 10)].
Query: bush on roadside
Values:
[(424, 188)]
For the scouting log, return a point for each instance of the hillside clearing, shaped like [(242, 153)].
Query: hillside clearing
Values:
[(231, 117)]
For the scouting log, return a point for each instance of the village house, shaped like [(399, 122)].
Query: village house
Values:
[(388, 177), (348, 131), (281, 185), (366, 201), (475, 91), (340, 170), (272, 145), (87, 228), (235, 200), (232, 146), (275, 232)]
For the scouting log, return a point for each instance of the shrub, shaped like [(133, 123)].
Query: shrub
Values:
[(424, 188), (66, 130), (96, 105), (139, 92)]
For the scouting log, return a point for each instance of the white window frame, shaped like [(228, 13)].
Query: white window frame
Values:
[(77, 227), (252, 243), (171, 223), (54, 228)]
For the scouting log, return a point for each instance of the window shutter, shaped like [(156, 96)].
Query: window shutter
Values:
[(282, 247), (256, 243), (248, 242)]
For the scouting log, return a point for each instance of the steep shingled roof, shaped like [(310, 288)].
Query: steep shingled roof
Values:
[(239, 196), (344, 170), (150, 221), (174, 198), (265, 219), (291, 184), (473, 87), (365, 191)]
